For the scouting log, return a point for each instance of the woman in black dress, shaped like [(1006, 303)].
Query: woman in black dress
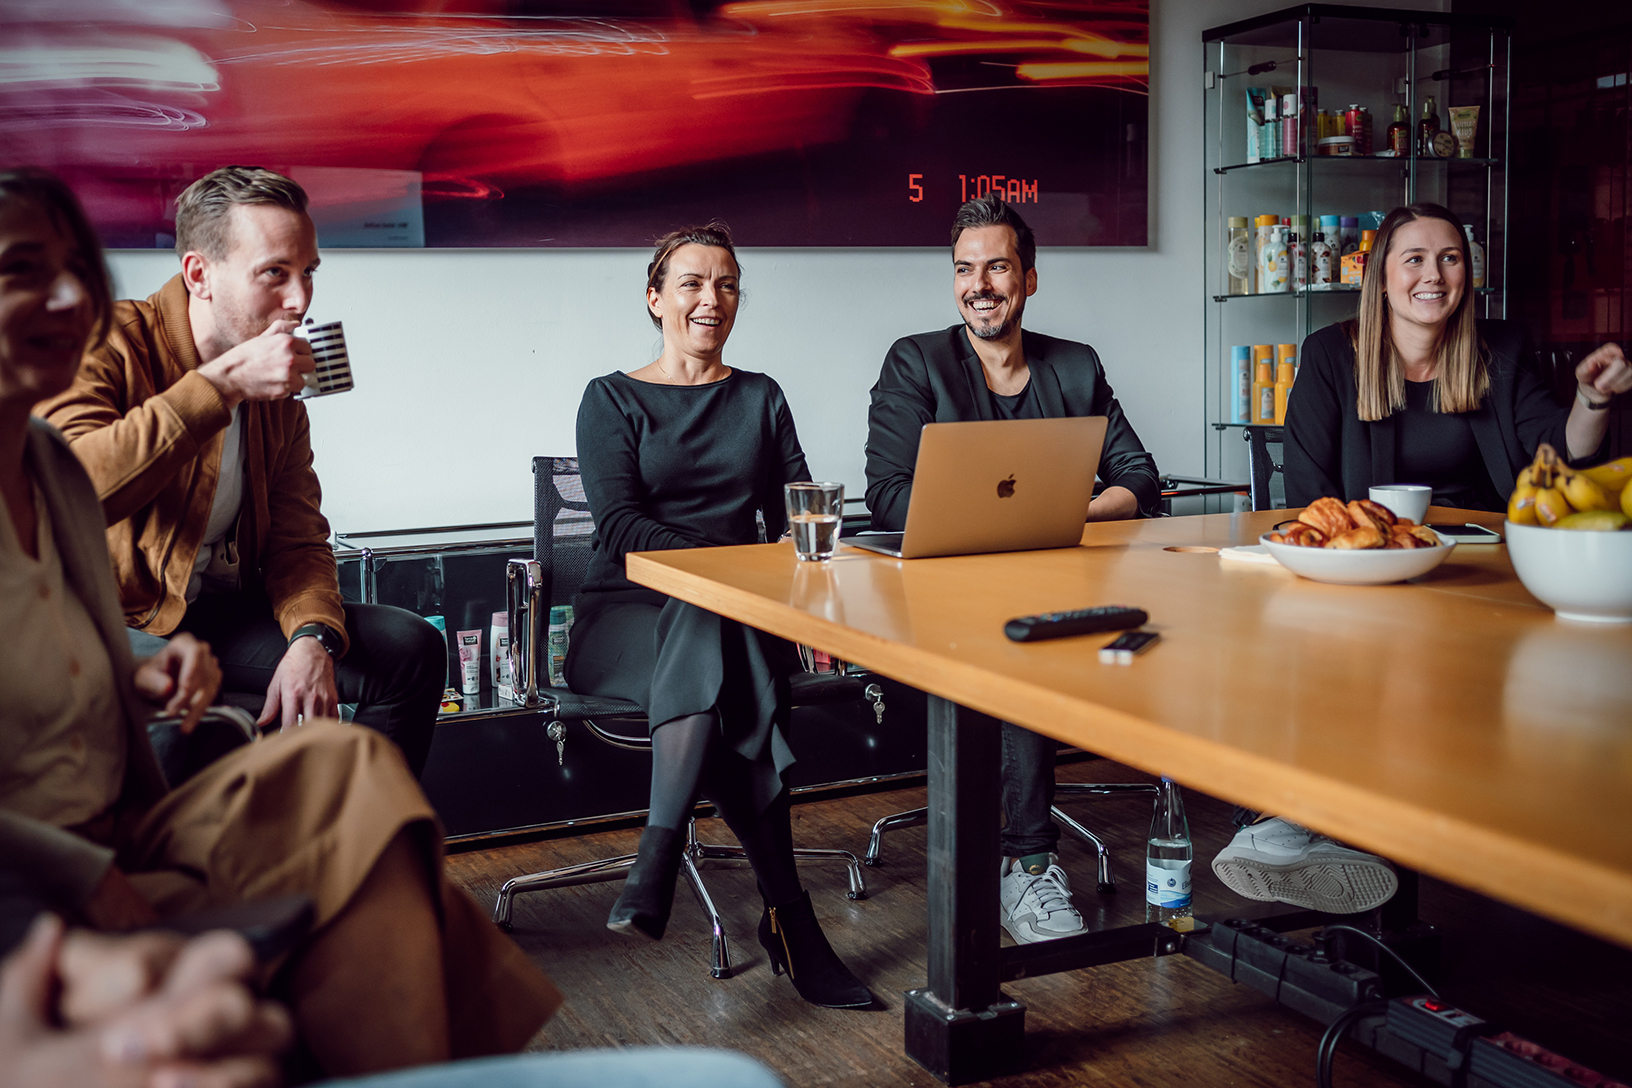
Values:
[(685, 453), (1417, 390)]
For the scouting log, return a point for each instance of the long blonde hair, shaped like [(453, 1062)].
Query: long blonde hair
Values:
[(1463, 378)]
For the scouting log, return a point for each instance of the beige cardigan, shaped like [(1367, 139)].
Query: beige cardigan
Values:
[(64, 866)]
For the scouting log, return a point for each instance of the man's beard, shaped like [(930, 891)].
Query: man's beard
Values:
[(991, 332)]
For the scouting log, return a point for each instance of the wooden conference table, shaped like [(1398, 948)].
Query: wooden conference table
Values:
[(1452, 724)]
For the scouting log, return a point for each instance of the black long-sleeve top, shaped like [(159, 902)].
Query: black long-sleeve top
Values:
[(682, 466), (1330, 450), (936, 377)]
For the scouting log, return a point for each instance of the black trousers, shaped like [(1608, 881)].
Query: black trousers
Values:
[(1028, 792), (394, 670)]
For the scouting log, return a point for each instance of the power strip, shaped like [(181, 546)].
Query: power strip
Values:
[(1446, 1044)]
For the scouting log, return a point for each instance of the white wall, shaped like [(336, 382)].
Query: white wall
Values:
[(469, 362)]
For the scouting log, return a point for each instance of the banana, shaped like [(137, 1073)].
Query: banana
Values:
[(1626, 500), (1594, 521), (1611, 476), (1524, 479), (1584, 494), (1544, 471), (1551, 505), (1521, 505)]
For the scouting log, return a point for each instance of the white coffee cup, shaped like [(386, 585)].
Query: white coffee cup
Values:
[(1405, 500), (332, 373)]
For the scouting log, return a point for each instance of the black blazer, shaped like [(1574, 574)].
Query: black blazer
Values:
[(935, 377), (1330, 451)]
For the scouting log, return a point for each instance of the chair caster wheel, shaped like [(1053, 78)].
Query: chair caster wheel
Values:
[(855, 895), (872, 863), (1107, 889)]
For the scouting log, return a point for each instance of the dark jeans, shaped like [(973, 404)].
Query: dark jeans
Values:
[(394, 670), (1028, 792)]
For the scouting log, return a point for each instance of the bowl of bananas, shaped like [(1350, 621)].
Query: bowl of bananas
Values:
[(1569, 535)]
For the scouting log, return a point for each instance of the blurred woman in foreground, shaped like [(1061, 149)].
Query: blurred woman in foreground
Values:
[(399, 968)]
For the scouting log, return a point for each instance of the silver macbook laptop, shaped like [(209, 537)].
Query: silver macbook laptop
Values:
[(1001, 485)]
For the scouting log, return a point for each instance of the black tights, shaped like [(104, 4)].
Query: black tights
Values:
[(688, 759)]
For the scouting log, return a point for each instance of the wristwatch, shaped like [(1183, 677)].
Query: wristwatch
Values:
[(327, 637), (1592, 405)]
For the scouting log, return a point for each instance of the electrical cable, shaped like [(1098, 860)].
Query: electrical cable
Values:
[(1412, 971), (1327, 1050)]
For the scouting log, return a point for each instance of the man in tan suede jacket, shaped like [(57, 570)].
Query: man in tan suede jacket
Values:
[(203, 461)]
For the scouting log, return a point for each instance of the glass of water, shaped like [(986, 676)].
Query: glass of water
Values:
[(814, 510)]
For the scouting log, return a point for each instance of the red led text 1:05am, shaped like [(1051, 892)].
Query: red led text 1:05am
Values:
[(1014, 190)]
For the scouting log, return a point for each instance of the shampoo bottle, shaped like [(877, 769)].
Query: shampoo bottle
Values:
[(1274, 271), (1263, 395), (1240, 384), (1320, 260), (1427, 128), (1399, 134), (1283, 388), (1263, 231), (1476, 259)]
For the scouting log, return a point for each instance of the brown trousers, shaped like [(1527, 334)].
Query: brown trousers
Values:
[(310, 811)]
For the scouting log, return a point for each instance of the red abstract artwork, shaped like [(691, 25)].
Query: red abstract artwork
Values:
[(593, 122)]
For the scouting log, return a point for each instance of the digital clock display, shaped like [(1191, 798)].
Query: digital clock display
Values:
[(974, 186)]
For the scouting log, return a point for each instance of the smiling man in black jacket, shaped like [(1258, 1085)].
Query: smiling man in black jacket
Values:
[(987, 368)]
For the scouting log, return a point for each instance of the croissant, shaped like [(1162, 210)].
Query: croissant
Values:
[(1366, 512), (1401, 538), (1328, 515), (1427, 536), (1306, 536), (1356, 539)]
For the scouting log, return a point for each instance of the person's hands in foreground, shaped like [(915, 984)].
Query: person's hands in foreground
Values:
[(142, 1012), (185, 675)]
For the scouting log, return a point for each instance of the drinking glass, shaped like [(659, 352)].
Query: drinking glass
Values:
[(814, 510)]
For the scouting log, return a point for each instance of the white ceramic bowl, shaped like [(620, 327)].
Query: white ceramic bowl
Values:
[(1361, 567), (1580, 575)]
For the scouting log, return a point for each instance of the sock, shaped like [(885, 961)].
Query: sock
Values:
[(1035, 864)]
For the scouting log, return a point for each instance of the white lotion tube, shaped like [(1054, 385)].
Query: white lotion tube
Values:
[(470, 661)]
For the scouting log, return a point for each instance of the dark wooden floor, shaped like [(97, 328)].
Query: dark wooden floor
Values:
[(1145, 1023)]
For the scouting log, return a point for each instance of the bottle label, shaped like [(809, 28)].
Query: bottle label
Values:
[(1239, 261), (1266, 411), (1167, 883)]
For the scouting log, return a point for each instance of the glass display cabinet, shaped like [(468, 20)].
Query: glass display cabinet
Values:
[(1299, 108)]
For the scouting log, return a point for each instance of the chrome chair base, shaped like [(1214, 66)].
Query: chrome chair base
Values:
[(696, 857), (1107, 882)]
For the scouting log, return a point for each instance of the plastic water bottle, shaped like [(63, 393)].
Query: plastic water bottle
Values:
[(1167, 859)]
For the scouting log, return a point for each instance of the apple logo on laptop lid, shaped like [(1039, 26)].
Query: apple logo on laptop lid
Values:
[(1005, 488)]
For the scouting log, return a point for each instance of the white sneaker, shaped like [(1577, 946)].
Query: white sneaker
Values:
[(1277, 860), (1037, 906)]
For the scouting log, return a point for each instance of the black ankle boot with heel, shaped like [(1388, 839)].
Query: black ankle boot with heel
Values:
[(648, 890), (794, 941)]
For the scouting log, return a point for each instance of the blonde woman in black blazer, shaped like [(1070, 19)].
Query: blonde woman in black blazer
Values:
[(1417, 390)]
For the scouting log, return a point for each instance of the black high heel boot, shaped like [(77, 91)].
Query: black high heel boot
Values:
[(648, 890), (796, 944)]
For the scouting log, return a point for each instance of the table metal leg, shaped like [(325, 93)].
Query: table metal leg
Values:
[(961, 1027)]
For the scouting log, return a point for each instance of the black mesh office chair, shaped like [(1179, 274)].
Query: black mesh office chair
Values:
[(562, 526)]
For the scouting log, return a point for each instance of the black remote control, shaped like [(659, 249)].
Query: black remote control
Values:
[(1083, 621)]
